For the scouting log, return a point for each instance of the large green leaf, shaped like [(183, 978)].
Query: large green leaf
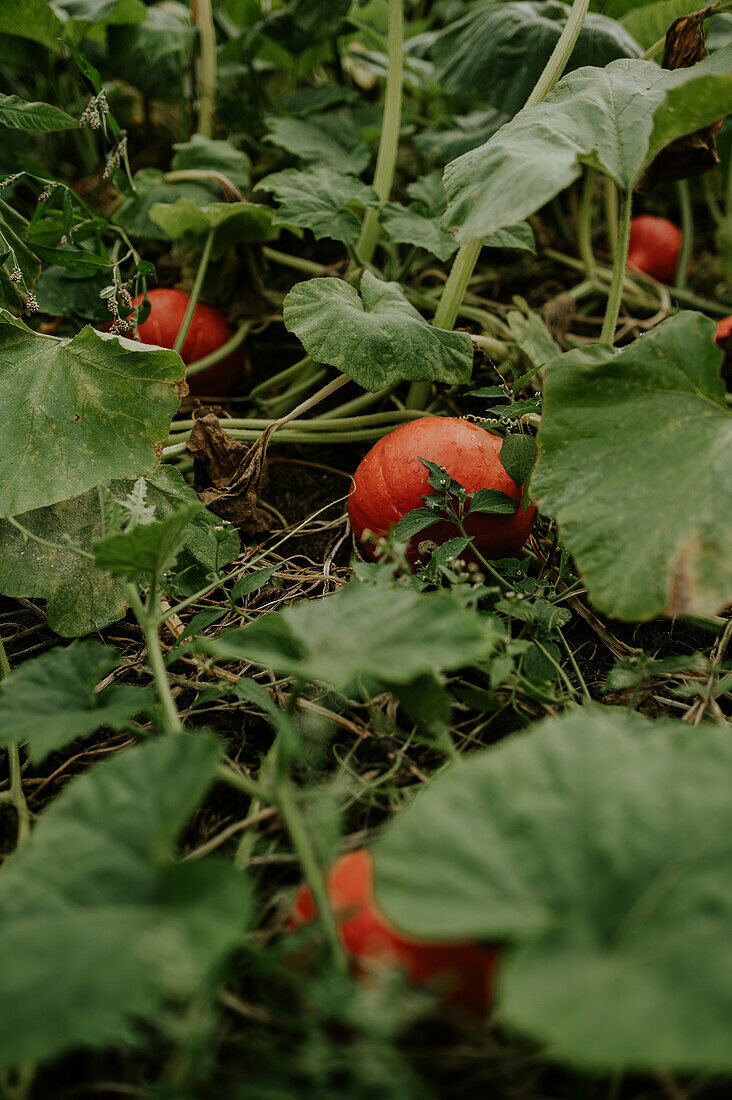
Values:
[(232, 222), (616, 119), (32, 19), (61, 293), (152, 188), (409, 225), (497, 51), (19, 114), (635, 454), (49, 700), (392, 634), (320, 199), (79, 597), (78, 412), (306, 139), (375, 338), (220, 156), (101, 927), (599, 847)]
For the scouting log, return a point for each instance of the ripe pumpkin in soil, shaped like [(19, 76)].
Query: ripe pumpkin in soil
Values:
[(391, 481), (208, 330), (655, 247), (462, 971)]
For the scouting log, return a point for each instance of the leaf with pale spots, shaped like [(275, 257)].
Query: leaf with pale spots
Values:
[(377, 337), (635, 453), (78, 412)]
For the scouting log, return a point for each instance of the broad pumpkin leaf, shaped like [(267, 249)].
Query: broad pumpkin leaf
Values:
[(311, 142), (598, 848), (408, 225), (61, 293), (232, 222), (101, 926), (19, 114), (497, 51), (79, 597), (319, 199), (49, 701), (616, 119), (376, 337), (101, 407), (219, 156), (151, 188), (635, 453), (392, 634)]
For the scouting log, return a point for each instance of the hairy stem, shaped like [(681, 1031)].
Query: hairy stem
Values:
[(615, 293), (389, 141), (195, 292), (207, 38), (687, 232), (15, 795), (147, 618), (584, 223), (221, 353), (467, 255)]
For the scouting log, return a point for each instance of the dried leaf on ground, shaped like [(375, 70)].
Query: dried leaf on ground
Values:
[(229, 476)]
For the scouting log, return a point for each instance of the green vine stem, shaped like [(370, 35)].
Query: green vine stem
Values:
[(561, 54), (15, 794), (584, 223), (195, 292), (687, 232), (283, 376), (283, 798), (389, 142), (611, 215), (147, 618), (368, 435), (221, 353), (615, 293), (356, 404), (467, 254), (297, 263), (311, 869), (229, 188), (284, 402), (320, 425), (207, 37)]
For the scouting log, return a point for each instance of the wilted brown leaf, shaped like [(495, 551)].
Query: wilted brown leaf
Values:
[(229, 476), (695, 153)]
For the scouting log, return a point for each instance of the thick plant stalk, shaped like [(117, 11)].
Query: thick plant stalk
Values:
[(389, 142), (687, 232), (147, 618), (207, 37), (467, 255), (615, 294), (611, 215), (584, 224), (195, 292), (15, 795), (221, 353)]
